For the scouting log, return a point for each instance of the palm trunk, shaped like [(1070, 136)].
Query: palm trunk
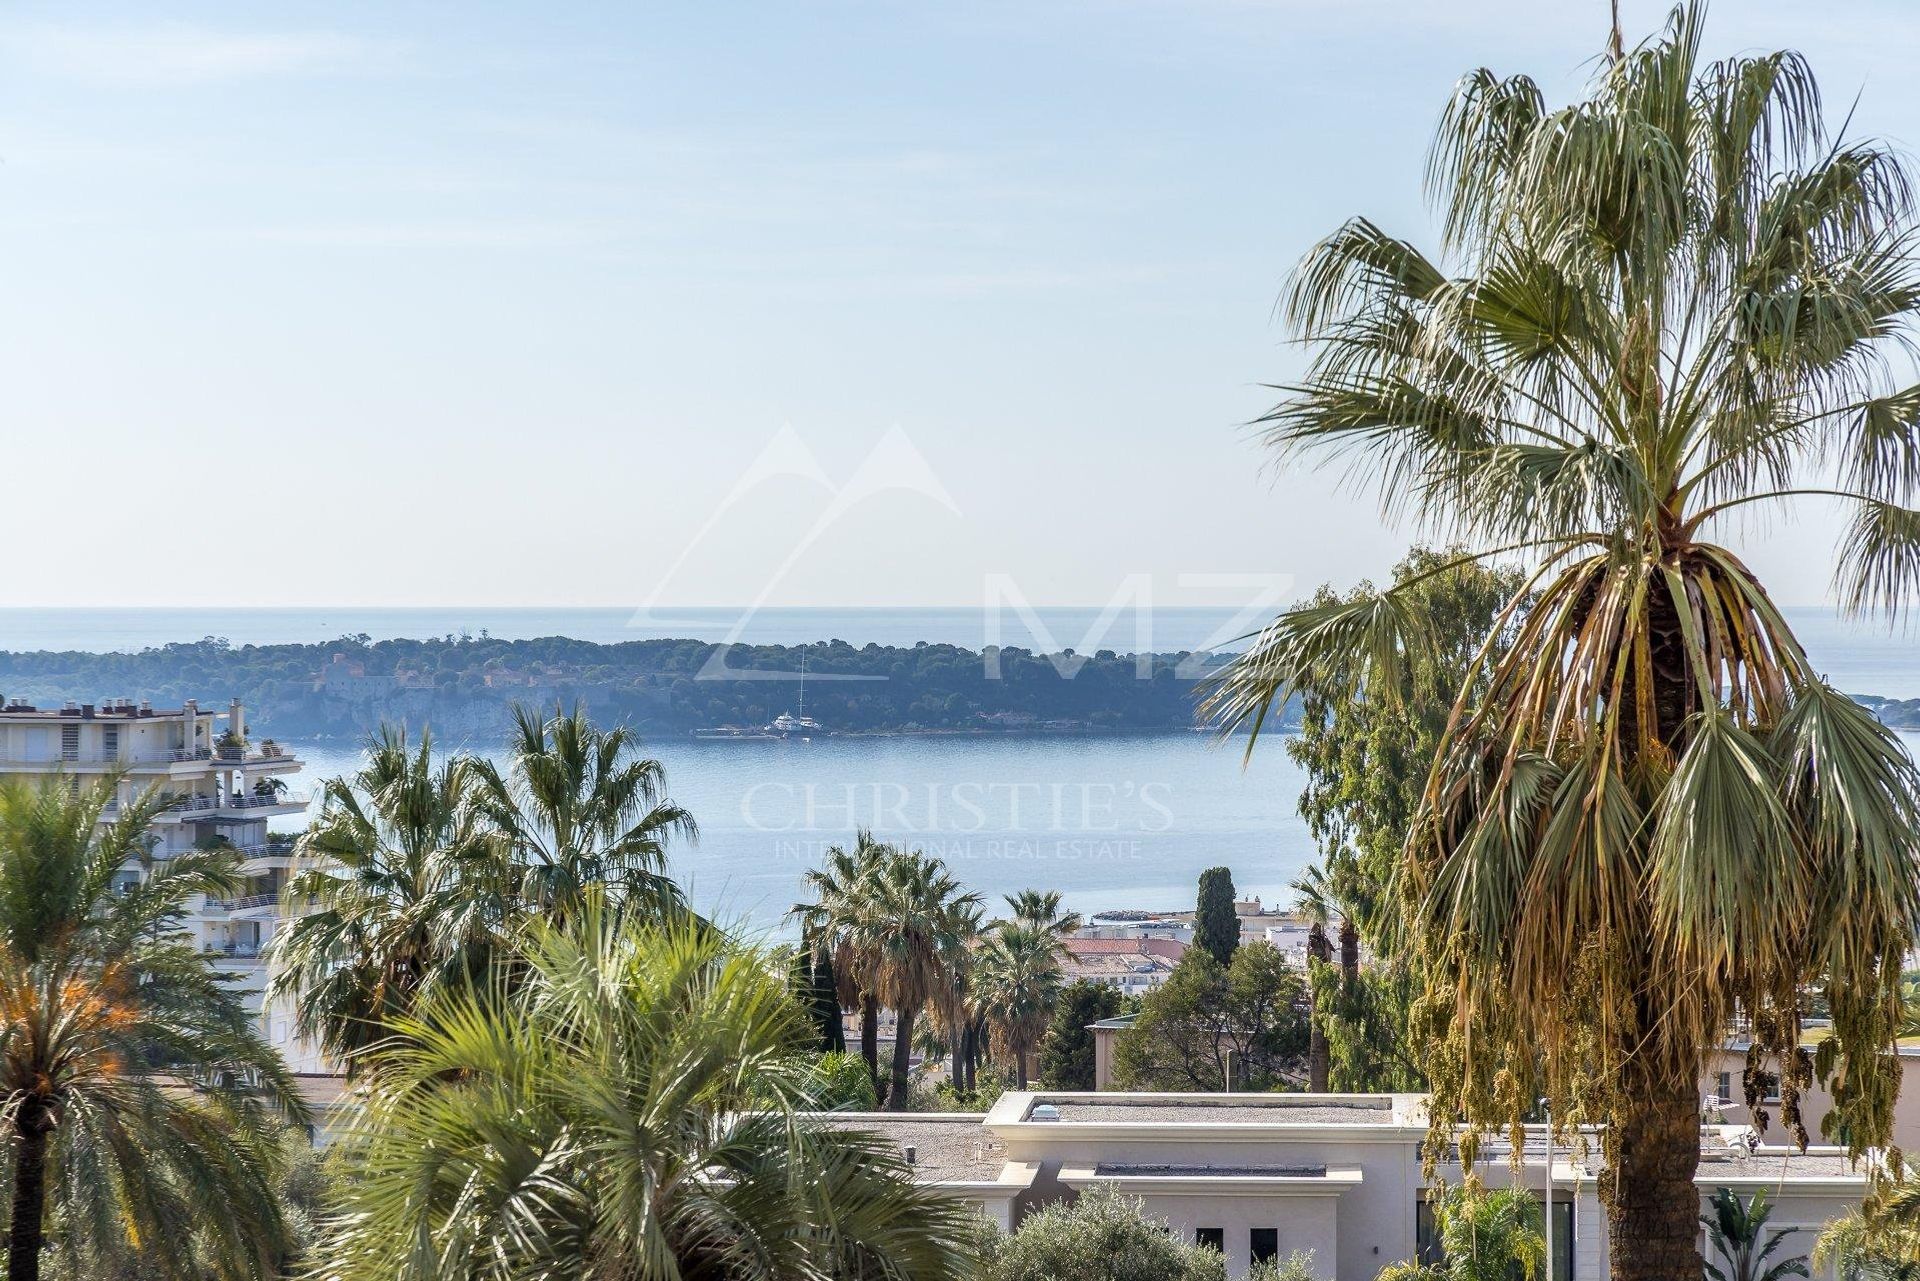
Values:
[(1653, 1207), (902, 1049), (870, 1036), (1349, 954), (1321, 950), (972, 1061), (1020, 1066), (957, 1072), (24, 1234)]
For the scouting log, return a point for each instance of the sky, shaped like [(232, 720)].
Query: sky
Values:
[(795, 304)]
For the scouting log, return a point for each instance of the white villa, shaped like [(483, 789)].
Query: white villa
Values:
[(226, 791), (1263, 1175)]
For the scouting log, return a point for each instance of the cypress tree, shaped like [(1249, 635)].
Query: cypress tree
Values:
[(1215, 926), (811, 981)]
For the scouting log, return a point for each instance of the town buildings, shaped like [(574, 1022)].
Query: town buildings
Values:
[(1286, 930), (1132, 966)]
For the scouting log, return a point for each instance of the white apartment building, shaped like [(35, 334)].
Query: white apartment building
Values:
[(224, 790), (1339, 1175)]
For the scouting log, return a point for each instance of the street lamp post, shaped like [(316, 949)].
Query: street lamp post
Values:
[(1547, 1108)]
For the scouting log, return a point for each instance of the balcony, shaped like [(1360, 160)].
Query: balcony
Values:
[(250, 801), (59, 759), (246, 757)]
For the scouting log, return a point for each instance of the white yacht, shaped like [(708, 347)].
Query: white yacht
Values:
[(788, 725)]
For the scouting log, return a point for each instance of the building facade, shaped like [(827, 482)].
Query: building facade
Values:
[(222, 790), (1337, 1176)]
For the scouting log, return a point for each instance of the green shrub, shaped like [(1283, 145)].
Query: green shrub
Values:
[(843, 1083), (988, 1086), (1297, 1266), (1103, 1236)]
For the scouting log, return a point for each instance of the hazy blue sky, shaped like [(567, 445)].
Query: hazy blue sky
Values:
[(488, 303)]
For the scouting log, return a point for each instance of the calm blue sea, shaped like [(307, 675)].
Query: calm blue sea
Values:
[(1112, 822)]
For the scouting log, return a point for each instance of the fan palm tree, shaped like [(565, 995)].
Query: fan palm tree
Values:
[(635, 1108), (1738, 1231), (1310, 901), (832, 925), (1662, 306), (914, 918), (1042, 908), (1320, 899), (409, 889), (954, 1015), (1018, 982), (582, 807), (138, 1090)]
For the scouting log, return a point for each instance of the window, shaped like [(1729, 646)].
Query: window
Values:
[(1211, 1238), (1562, 1237), (1265, 1243), (1426, 1236), (1723, 1086)]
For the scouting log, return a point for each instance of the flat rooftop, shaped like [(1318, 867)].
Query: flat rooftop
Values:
[(1266, 1109), (100, 712), (946, 1149), (1123, 1169), (1776, 1163)]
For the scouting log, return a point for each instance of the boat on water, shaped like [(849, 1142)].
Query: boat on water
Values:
[(802, 726), (785, 726)]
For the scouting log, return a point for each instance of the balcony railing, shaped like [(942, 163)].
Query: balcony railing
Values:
[(252, 902), (196, 804), (247, 755), (64, 757)]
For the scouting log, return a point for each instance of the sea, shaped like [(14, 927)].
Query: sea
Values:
[(1113, 822)]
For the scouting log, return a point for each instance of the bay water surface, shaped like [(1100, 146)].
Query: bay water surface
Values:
[(1123, 821)]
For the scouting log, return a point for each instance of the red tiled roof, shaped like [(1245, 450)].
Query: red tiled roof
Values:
[(1171, 949)]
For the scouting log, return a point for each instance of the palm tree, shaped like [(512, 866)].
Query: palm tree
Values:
[(954, 1015), (832, 925), (1042, 908), (138, 1089), (1738, 1231), (582, 807), (1311, 902), (409, 890), (1018, 982), (635, 1108), (1318, 897), (1879, 1242), (914, 917), (1663, 305)]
